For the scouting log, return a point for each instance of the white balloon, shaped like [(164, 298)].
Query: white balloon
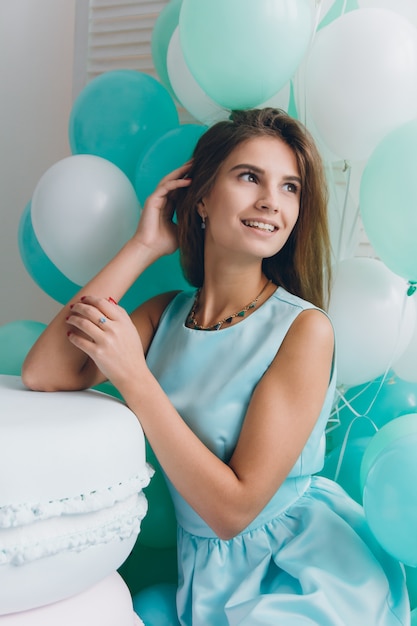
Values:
[(188, 91), (406, 8), (361, 80), (372, 316), (83, 211), (304, 115), (406, 366)]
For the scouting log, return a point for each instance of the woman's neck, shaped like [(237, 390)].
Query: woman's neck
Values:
[(228, 293)]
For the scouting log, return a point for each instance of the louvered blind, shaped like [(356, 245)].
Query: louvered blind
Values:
[(111, 35), (115, 34), (119, 35)]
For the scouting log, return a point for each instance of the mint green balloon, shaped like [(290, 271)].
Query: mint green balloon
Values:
[(16, 339), (388, 200), (242, 52), (166, 23), (388, 476), (401, 427)]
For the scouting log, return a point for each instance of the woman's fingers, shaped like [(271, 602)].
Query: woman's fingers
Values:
[(105, 333), (174, 180), (167, 186), (91, 314)]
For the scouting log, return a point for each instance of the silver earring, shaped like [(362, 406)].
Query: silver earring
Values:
[(203, 223)]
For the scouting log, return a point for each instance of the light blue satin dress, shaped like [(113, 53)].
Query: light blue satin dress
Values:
[(309, 557)]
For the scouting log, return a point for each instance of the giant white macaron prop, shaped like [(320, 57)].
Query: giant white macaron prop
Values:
[(72, 470)]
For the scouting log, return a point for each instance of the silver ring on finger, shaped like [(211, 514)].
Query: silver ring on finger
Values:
[(102, 320)]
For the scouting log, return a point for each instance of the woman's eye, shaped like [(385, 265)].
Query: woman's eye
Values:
[(249, 177), (291, 187)]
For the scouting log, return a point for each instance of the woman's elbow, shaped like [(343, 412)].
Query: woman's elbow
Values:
[(36, 378), (228, 526), (33, 381)]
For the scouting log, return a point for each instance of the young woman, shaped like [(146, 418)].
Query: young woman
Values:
[(233, 383)]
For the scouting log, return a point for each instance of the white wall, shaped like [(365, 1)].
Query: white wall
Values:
[(36, 66)]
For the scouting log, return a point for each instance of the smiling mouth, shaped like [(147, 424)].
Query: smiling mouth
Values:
[(269, 228)]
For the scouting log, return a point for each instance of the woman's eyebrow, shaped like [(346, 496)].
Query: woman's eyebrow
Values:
[(248, 166), (293, 178)]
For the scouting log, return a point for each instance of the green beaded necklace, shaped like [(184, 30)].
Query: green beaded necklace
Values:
[(191, 320)]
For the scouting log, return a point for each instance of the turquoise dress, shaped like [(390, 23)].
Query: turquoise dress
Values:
[(309, 557)]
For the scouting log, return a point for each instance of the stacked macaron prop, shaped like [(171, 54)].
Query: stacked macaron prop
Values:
[(72, 468)]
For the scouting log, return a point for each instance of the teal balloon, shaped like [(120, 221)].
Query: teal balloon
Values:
[(413, 617), (108, 388), (165, 154), (243, 52), (163, 275), (388, 200), (117, 114), (166, 23), (38, 265), (381, 403), (16, 339), (350, 459), (411, 580), (399, 428), (388, 476), (156, 605)]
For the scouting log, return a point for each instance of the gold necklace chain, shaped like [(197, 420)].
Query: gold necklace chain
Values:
[(191, 320)]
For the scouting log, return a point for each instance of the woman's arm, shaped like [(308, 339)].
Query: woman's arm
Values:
[(55, 363), (279, 420)]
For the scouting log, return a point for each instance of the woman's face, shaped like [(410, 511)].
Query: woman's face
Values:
[(254, 203)]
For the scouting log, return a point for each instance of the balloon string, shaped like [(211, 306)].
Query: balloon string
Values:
[(353, 226), (348, 404), (344, 7), (347, 168), (345, 441)]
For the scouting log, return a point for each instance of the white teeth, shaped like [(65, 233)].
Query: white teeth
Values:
[(261, 225)]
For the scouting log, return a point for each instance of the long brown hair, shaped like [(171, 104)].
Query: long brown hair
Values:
[(303, 265)]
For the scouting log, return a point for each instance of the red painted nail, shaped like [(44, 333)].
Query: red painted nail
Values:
[(71, 305), (112, 300), (83, 298), (69, 333)]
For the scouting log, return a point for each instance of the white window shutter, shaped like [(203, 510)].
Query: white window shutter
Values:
[(113, 34)]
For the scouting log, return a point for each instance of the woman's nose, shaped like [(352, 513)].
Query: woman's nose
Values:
[(267, 203)]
